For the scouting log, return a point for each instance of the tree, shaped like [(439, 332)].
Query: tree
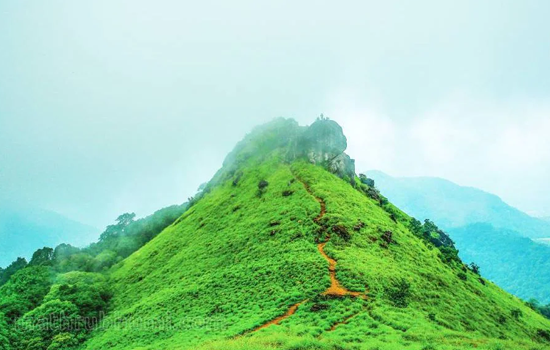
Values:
[(475, 268), (42, 256), (12, 269), (64, 251), (4, 334), (24, 291), (117, 229), (40, 326)]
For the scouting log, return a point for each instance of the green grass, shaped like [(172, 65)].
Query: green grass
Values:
[(237, 259)]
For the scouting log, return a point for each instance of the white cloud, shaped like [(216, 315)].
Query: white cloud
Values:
[(503, 149)]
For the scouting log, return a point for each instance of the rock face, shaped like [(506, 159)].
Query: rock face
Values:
[(324, 143)]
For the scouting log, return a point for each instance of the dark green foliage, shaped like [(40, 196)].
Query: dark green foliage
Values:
[(544, 334), (89, 292), (430, 233), (5, 343), (516, 314), (462, 276), (118, 229), (537, 306), (475, 268), (11, 270), (342, 232), (38, 327), (262, 184), (25, 291), (125, 237), (262, 187), (399, 292), (387, 238), (287, 193), (42, 256)]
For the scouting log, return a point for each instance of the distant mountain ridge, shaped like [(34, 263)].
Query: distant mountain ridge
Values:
[(485, 229), (25, 229), (451, 205)]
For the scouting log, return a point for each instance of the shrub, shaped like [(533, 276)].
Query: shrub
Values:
[(342, 232), (263, 184), (543, 334), (516, 313), (399, 292), (387, 238), (474, 268)]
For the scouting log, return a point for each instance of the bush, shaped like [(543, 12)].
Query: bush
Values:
[(516, 314), (399, 293), (342, 232), (387, 238), (475, 268), (543, 334)]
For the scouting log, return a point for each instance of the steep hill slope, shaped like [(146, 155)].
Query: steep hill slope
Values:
[(281, 253), (484, 228), (23, 230), (451, 205)]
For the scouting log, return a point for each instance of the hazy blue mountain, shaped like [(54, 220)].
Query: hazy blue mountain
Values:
[(516, 263), (486, 230), (451, 205), (23, 230)]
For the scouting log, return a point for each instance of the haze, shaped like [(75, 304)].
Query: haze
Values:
[(108, 107)]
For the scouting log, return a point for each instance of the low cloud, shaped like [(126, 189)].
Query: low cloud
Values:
[(500, 148)]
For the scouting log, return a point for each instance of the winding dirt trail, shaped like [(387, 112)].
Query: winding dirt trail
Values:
[(276, 320), (336, 289)]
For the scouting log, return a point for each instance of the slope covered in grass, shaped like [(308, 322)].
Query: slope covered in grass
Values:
[(247, 252)]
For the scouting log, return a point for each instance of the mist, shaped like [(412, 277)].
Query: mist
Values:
[(111, 107)]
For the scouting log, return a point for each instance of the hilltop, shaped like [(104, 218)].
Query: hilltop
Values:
[(286, 248)]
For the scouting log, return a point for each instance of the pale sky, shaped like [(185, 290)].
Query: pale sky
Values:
[(114, 106)]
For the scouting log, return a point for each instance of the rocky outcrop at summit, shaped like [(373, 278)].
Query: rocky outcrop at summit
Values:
[(323, 143)]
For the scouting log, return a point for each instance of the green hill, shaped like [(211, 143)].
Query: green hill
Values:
[(280, 253), (286, 249)]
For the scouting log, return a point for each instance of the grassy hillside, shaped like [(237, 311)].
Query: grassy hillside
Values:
[(248, 266), (56, 299)]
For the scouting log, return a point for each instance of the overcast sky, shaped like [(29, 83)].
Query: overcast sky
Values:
[(114, 106)]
